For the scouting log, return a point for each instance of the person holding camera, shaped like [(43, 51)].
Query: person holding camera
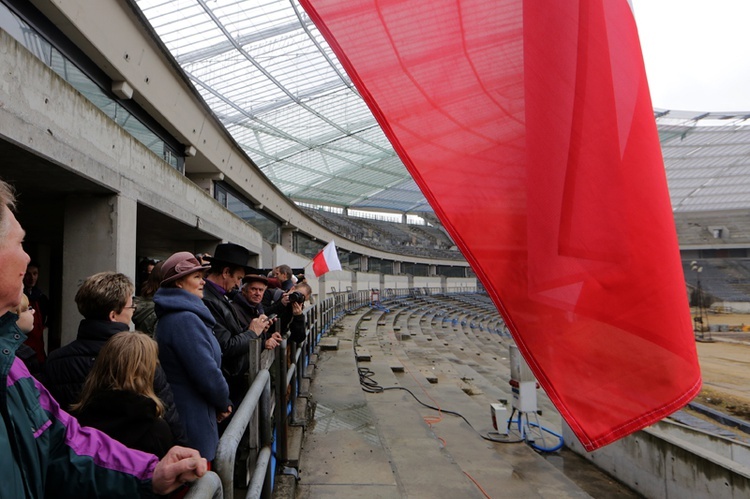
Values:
[(290, 310), (247, 304)]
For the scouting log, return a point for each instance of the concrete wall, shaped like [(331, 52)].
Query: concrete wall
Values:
[(396, 282), (283, 256), (736, 307), (367, 280), (455, 284), (659, 463), (427, 282)]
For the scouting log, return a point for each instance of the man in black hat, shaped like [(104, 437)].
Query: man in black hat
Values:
[(228, 266)]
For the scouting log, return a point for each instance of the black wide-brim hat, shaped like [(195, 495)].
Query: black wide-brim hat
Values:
[(232, 255)]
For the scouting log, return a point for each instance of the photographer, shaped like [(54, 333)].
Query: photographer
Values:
[(290, 311), (247, 304)]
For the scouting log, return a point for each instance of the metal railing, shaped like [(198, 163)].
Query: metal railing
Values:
[(262, 420)]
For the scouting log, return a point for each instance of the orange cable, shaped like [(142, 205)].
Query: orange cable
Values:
[(478, 486)]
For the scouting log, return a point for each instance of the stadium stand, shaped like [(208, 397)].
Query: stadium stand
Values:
[(405, 239)]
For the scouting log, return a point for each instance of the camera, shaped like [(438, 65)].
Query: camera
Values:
[(296, 297)]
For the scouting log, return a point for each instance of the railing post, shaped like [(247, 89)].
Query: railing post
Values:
[(253, 441), (266, 434), (281, 419)]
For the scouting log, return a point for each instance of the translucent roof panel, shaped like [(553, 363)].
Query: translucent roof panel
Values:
[(707, 158), (269, 76)]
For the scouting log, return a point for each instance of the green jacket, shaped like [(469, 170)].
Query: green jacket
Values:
[(43, 450), (144, 317)]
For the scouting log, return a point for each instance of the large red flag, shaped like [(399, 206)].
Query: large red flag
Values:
[(528, 125)]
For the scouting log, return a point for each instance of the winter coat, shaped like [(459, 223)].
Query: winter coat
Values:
[(233, 339), (66, 369), (191, 358), (295, 325), (144, 317), (246, 312), (129, 418), (45, 453)]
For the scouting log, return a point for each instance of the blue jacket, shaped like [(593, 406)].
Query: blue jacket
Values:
[(44, 452), (191, 357)]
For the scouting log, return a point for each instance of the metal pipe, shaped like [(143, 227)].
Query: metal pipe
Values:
[(207, 486), (226, 452), (258, 480)]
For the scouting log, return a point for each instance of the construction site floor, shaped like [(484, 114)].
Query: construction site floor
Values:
[(387, 445)]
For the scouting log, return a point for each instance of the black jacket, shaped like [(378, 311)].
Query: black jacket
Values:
[(233, 339), (129, 418), (295, 325), (245, 311), (66, 369)]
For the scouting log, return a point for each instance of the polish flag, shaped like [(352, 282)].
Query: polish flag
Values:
[(529, 128), (326, 260)]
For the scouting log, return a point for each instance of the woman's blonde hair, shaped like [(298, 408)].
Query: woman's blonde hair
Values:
[(22, 307), (126, 362)]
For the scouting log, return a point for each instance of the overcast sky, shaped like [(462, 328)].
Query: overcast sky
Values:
[(697, 53)]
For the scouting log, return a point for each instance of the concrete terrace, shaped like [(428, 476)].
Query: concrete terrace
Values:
[(451, 353)]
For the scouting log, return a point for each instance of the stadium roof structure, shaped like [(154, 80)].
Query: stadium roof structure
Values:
[(707, 158), (269, 76)]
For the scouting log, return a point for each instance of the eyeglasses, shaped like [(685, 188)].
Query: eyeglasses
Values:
[(133, 306)]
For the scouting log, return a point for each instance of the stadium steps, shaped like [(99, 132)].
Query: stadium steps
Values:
[(386, 444)]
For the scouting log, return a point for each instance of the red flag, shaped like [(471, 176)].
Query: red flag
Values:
[(528, 125), (326, 260)]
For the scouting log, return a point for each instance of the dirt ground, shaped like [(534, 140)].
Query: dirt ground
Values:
[(725, 366)]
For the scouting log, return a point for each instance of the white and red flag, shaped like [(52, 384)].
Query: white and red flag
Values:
[(326, 260), (528, 125)]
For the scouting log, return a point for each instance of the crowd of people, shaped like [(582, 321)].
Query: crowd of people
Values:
[(154, 398)]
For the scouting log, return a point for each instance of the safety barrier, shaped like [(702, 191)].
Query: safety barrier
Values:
[(261, 423), (208, 486)]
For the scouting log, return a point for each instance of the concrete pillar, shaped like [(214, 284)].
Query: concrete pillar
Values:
[(99, 234), (396, 268), (403, 218), (287, 238), (364, 263), (410, 278), (443, 284), (322, 288), (432, 270)]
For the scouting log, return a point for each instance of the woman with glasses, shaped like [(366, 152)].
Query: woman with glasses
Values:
[(106, 302)]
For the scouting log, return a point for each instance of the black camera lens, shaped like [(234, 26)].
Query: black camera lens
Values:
[(296, 297)]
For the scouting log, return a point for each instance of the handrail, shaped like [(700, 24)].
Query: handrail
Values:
[(226, 451), (255, 412), (258, 480), (207, 486)]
